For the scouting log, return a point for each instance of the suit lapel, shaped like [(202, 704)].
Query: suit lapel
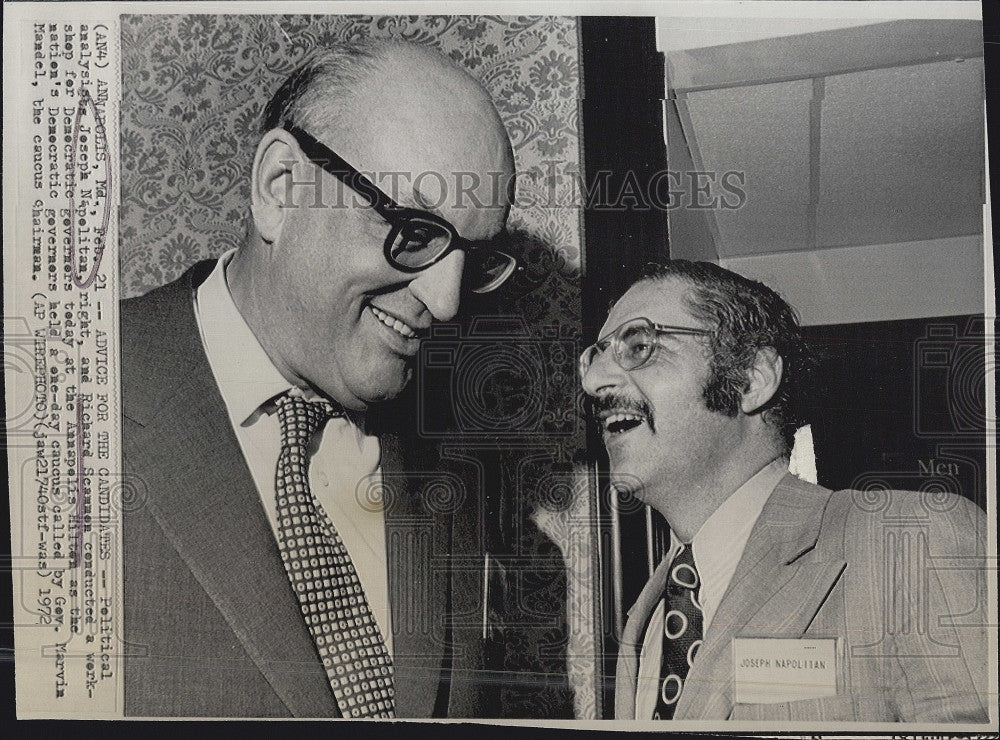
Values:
[(775, 592), (211, 512), (628, 651), (417, 547)]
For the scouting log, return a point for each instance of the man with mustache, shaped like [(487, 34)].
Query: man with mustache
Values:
[(778, 599), (281, 558)]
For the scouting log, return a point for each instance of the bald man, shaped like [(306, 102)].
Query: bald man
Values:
[(281, 558)]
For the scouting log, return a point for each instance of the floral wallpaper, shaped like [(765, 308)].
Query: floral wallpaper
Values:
[(194, 87)]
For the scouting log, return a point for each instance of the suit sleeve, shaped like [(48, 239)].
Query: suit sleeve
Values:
[(935, 613)]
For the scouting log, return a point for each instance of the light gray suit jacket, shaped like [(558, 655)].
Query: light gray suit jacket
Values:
[(212, 627), (899, 578)]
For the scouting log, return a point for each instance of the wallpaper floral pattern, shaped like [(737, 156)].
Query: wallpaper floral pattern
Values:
[(193, 90)]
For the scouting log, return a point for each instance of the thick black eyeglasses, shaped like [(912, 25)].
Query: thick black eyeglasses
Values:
[(633, 342), (417, 239)]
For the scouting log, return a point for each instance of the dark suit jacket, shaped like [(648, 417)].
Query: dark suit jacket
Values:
[(899, 578), (212, 627)]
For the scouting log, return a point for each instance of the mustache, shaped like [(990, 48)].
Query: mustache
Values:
[(603, 404)]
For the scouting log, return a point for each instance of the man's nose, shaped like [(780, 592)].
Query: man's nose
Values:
[(602, 374), (439, 287)]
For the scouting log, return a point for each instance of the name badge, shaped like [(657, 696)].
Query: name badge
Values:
[(771, 670)]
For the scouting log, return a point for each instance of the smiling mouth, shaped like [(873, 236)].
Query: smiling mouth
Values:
[(403, 329), (621, 422)]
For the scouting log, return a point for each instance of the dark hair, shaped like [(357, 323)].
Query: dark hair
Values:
[(745, 316), (310, 95)]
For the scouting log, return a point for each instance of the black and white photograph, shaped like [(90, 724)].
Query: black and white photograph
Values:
[(603, 371)]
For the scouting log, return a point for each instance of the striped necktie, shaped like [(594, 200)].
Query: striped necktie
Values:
[(330, 595)]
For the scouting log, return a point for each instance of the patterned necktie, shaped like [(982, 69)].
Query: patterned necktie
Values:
[(321, 572), (682, 627)]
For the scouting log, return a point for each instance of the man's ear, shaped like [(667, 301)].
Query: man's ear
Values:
[(269, 186), (765, 377)]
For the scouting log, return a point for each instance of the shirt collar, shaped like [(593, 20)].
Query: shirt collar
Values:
[(744, 504), (718, 546), (246, 377)]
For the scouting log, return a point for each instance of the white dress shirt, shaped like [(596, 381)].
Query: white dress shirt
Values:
[(717, 548), (344, 461)]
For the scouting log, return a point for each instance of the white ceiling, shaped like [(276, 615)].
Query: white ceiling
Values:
[(861, 136), (676, 34), (898, 157)]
